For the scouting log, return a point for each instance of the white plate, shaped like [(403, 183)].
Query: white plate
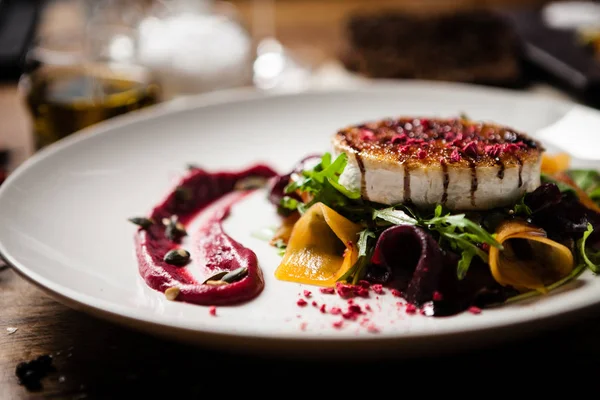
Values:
[(63, 216)]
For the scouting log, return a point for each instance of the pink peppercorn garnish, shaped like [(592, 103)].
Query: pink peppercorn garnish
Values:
[(470, 149), (511, 147), (314, 304), (377, 288), (411, 309), (335, 310), (399, 138), (212, 310), (474, 310), (322, 308), (449, 136), (344, 290), (301, 302), (307, 293), (455, 156), (421, 154), (493, 150), (437, 296), (366, 135), (363, 283), (338, 324), (396, 292), (327, 290), (350, 315), (355, 308)]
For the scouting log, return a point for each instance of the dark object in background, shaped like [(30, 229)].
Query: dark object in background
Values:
[(18, 22), (559, 55), (474, 46)]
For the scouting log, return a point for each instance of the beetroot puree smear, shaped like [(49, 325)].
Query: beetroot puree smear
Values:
[(213, 251)]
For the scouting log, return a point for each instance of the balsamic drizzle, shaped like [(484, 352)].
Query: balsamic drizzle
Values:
[(520, 171), (474, 182), (446, 181), (406, 184), (363, 179), (500, 174)]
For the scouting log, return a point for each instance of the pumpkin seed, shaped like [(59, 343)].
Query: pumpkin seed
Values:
[(177, 257), (143, 222), (175, 229), (216, 283), (251, 182), (216, 277), (172, 293), (183, 194), (235, 275)]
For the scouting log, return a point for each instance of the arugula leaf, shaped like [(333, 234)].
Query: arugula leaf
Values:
[(354, 195), (521, 208), (464, 263), (321, 183), (594, 264), (365, 251), (288, 203), (396, 217), (450, 222), (586, 179), (363, 241)]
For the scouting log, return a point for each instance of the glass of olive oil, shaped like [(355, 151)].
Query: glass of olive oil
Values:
[(65, 99)]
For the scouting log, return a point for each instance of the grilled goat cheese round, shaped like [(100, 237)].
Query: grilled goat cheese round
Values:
[(461, 164)]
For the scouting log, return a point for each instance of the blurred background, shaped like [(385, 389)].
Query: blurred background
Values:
[(68, 64)]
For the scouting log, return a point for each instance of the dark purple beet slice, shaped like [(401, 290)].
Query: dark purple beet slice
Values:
[(414, 260)]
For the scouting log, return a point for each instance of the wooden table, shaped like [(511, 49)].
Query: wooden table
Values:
[(96, 359)]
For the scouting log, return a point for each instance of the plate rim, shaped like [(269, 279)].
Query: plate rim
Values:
[(110, 311)]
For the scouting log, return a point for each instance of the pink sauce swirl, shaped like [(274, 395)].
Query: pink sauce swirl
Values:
[(213, 250)]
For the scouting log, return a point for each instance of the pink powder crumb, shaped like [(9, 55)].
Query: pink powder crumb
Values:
[(350, 315), (335, 310), (303, 326), (338, 324), (396, 293), (437, 296), (368, 307), (322, 308), (212, 310), (307, 293), (377, 288), (474, 310), (362, 292), (411, 309), (364, 284), (355, 308), (301, 302), (372, 328), (327, 290), (314, 304)]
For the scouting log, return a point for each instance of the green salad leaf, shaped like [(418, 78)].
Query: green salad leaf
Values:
[(321, 183), (366, 246), (591, 259)]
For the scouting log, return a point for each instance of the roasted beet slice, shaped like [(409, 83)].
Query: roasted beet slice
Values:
[(413, 260)]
